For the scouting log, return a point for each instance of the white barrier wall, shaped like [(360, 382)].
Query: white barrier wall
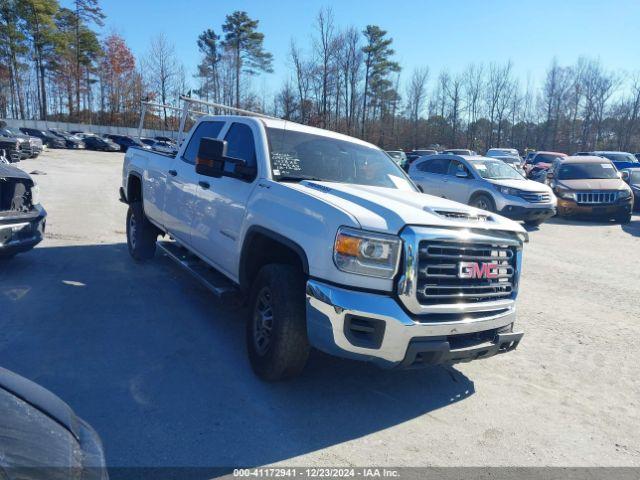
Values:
[(98, 129)]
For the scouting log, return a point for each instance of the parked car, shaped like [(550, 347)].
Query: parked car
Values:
[(421, 152), (460, 151), (514, 162), (49, 139), (331, 244), (70, 141), (124, 141), (164, 147), (619, 159), (30, 149), (590, 186), (160, 138), (501, 152), (541, 161), (22, 218), (399, 157), (632, 177), (485, 183), (42, 437), (94, 142), (147, 141), (13, 147)]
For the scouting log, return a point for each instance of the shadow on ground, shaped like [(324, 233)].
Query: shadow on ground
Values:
[(159, 368), (632, 228)]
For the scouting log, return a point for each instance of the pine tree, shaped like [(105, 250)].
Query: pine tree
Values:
[(246, 44), (378, 66)]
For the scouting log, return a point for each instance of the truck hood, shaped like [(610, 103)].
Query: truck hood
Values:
[(525, 185), (593, 184), (389, 210), (9, 171)]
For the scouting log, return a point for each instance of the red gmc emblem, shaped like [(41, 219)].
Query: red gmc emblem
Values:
[(477, 270)]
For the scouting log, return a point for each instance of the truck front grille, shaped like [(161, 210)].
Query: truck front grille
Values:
[(536, 197), (457, 272), (596, 197)]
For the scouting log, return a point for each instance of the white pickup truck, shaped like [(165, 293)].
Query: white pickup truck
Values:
[(331, 244)]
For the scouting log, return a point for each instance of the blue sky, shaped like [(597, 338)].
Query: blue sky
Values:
[(439, 34)]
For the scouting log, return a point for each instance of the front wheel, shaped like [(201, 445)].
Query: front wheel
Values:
[(276, 331), (141, 233), (624, 218), (533, 223), (483, 202)]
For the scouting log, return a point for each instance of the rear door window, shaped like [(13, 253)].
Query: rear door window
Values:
[(437, 165)]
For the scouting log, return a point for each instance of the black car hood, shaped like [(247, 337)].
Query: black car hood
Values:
[(40, 398), (9, 171)]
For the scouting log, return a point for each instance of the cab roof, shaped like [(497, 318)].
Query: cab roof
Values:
[(272, 122)]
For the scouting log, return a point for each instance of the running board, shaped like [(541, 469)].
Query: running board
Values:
[(217, 283)]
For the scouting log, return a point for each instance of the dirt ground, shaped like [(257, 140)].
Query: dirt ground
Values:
[(159, 368)]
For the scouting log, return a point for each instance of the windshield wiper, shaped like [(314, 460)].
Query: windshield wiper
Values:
[(298, 178)]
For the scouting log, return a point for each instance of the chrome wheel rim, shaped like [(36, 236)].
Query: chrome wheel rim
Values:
[(132, 231), (263, 321), (482, 204)]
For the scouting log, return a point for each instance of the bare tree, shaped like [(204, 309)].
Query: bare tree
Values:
[(416, 98), (161, 67)]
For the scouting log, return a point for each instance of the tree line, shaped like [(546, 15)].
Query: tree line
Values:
[(55, 65)]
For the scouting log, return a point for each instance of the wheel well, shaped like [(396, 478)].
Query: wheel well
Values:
[(134, 189), (479, 193), (262, 248)]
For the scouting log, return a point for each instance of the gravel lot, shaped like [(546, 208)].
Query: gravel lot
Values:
[(159, 367)]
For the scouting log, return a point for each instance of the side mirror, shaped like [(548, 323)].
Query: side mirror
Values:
[(549, 175), (211, 157), (462, 174), (624, 176)]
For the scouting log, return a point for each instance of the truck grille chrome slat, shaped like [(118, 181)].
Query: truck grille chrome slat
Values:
[(596, 197), (439, 274)]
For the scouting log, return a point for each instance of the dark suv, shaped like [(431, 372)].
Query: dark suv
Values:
[(124, 141), (49, 139)]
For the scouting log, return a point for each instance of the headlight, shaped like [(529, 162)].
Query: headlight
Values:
[(562, 193), (366, 253), (624, 193), (508, 190), (35, 194)]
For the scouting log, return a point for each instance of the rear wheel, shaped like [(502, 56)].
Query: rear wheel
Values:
[(483, 202), (141, 233), (276, 332)]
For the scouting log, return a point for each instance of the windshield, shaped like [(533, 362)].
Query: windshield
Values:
[(545, 158), (582, 171), (495, 170), (620, 157), (300, 155)]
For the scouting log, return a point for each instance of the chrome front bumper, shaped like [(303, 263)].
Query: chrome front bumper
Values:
[(330, 308)]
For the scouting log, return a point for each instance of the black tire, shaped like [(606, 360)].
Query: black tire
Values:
[(533, 223), (624, 218), (141, 234), (277, 315), (483, 202)]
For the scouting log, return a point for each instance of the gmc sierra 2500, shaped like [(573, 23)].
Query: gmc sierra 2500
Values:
[(331, 243)]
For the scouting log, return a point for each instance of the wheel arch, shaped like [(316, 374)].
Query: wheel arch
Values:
[(134, 187), (263, 246)]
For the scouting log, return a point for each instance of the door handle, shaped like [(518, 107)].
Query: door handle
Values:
[(173, 173), (204, 185)]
